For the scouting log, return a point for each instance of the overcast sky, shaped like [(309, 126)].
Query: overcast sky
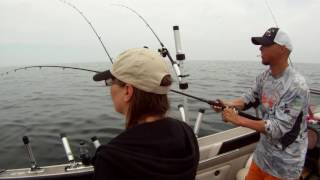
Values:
[(49, 32)]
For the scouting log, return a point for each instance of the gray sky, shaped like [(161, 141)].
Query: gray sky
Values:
[(49, 32)]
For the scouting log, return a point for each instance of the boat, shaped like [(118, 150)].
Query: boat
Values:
[(223, 156)]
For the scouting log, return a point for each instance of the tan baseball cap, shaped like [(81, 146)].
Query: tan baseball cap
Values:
[(140, 67)]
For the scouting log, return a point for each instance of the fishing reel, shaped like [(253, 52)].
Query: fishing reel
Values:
[(163, 51)]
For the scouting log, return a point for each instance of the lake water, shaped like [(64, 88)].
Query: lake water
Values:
[(44, 103)]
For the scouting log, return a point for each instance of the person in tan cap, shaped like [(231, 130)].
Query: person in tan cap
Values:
[(153, 146)]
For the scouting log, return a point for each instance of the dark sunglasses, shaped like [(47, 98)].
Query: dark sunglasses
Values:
[(108, 82), (268, 45), (114, 80)]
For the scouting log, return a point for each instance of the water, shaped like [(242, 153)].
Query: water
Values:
[(44, 103)]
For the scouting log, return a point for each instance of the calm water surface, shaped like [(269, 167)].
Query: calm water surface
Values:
[(44, 103)]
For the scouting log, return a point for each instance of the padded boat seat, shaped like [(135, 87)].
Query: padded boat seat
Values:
[(241, 175)]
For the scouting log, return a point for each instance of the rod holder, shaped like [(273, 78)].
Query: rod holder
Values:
[(179, 53), (180, 56), (34, 165), (182, 112), (73, 165), (177, 71), (95, 142), (66, 147), (198, 121)]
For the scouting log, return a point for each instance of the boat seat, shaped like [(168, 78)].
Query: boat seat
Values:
[(241, 175)]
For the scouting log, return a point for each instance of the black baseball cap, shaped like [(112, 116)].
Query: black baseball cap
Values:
[(271, 36)]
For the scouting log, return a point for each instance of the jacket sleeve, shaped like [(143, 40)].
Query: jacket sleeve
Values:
[(286, 113), (251, 97)]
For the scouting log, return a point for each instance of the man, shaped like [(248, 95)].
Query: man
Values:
[(282, 96)]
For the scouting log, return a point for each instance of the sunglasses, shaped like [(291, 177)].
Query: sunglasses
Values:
[(113, 80), (108, 82), (268, 45)]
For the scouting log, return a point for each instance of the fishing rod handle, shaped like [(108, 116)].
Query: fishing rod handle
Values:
[(219, 103)]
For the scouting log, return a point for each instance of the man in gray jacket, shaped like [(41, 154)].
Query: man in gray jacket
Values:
[(282, 96)]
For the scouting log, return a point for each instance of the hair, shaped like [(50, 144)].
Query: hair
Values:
[(145, 104)]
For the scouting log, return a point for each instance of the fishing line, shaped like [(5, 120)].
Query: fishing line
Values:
[(270, 10), (164, 51), (276, 23), (69, 67), (90, 24), (143, 19), (313, 91)]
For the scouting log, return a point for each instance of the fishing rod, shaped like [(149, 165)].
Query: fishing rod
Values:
[(216, 103), (164, 51), (90, 24), (69, 67), (62, 67), (270, 10), (144, 20), (315, 91)]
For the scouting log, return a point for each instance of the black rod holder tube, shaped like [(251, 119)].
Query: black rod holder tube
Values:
[(26, 142), (95, 142), (198, 121)]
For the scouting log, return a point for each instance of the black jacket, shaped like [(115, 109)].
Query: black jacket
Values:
[(160, 150)]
